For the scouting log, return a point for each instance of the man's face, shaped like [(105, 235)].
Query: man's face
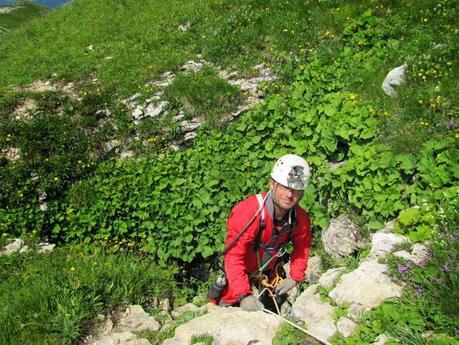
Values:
[(285, 197)]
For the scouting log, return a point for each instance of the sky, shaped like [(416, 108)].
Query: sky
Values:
[(49, 3)]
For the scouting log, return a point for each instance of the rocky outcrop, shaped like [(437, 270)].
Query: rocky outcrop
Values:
[(315, 313), (368, 286), (18, 246), (341, 238), (229, 326)]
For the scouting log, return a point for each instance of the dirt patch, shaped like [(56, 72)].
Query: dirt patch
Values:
[(23, 109)]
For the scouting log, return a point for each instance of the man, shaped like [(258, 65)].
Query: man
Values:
[(257, 229)]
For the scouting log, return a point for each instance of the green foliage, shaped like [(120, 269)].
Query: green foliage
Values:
[(340, 311), (289, 335), (202, 95), (202, 339), (60, 293)]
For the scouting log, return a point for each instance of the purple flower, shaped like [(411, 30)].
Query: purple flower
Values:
[(446, 266), (420, 290), (422, 263), (402, 269), (409, 264), (449, 124)]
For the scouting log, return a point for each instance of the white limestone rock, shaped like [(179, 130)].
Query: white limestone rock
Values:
[(383, 243), (394, 79), (135, 319), (328, 279), (381, 339), (189, 307), (368, 285), (356, 311), (229, 326), (316, 314), (13, 247), (314, 269), (346, 326), (341, 238)]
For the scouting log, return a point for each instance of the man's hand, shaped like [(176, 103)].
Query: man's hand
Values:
[(285, 286), (250, 303)]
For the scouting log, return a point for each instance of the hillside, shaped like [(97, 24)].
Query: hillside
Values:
[(69, 114), (11, 17)]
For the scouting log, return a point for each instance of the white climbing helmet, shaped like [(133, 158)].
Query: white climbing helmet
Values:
[(291, 171)]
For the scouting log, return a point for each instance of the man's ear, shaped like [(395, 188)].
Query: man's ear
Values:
[(272, 184)]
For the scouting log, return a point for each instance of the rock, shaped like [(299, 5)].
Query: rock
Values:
[(420, 252), (394, 79), (230, 326), (341, 238), (132, 98), (11, 154), (45, 247), (153, 110), (192, 66), (355, 312), (328, 279), (316, 314), (383, 243), (381, 339), (111, 145), (189, 307), (24, 110), (190, 136), (138, 112), (24, 249), (368, 285), (13, 247), (127, 154), (135, 319), (119, 338), (346, 326), (184, 26), (165, 305), (314, 269), (189, 126)]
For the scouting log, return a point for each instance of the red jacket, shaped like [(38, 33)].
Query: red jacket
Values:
[(241, 260)]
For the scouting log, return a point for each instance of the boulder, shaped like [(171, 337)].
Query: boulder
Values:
[(383, 243), (329, 278), (189, 307), (13, 247), (316, 314), (314, 269), (341, 238), (346, 326), (394, 79), (230, 326), (135, 319), (120, 338), (368, 285)]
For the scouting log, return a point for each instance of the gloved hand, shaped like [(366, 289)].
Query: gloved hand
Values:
[(250, 303), (285, 286)]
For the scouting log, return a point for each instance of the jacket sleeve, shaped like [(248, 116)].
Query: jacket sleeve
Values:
[(235, 265), (302, 238)]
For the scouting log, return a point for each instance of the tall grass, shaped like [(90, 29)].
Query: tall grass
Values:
[(54, 298)]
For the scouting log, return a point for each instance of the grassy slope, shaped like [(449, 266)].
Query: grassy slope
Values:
[(21, 15), (143, 39)]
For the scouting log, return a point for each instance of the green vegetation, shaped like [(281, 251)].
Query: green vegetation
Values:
[(289, 335), (202, 95), (54, 298), (399, 155), (21, 12)]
